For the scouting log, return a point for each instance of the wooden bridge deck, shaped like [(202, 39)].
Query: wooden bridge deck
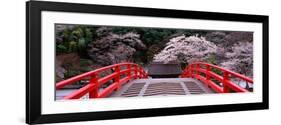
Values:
[(153, 87), (162, 87)]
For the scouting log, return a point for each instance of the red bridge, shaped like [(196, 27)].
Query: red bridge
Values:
[(130, 80)]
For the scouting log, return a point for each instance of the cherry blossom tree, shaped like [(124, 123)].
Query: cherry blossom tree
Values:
[(186, 49), (240, 58), (114, 48)]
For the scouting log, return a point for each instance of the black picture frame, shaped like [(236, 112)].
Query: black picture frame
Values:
[(33, 61)]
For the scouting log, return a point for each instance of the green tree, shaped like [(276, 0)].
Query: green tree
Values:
[(74, 39)]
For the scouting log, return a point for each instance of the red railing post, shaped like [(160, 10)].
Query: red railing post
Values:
[(130, 70), (208, 69), (135, 71), (185, 73), (143, 73), (117, 78), (197, 68), (225, 82), (139, 72), (191, 70), (95, 91), (194, 70)]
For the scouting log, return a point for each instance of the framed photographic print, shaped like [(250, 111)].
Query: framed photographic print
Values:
[(94, 62)]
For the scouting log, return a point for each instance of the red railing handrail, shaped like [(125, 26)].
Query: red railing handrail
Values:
[(88, 74), (243, 77), (93, 87), (194, 70)]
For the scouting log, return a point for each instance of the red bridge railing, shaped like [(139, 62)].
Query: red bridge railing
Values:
[(205, 73), (130, 70)]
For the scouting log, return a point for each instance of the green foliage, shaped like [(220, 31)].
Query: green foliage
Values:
[(61, 49), (85, 65), (212, 59), (86, 69), (152, 50), (122, 30), (183, 62), (72, 46), (217, 71), (74, 39), (85, 62), (155, 36), (216, 81), (139, 57), (71, 73), (81, 44)]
